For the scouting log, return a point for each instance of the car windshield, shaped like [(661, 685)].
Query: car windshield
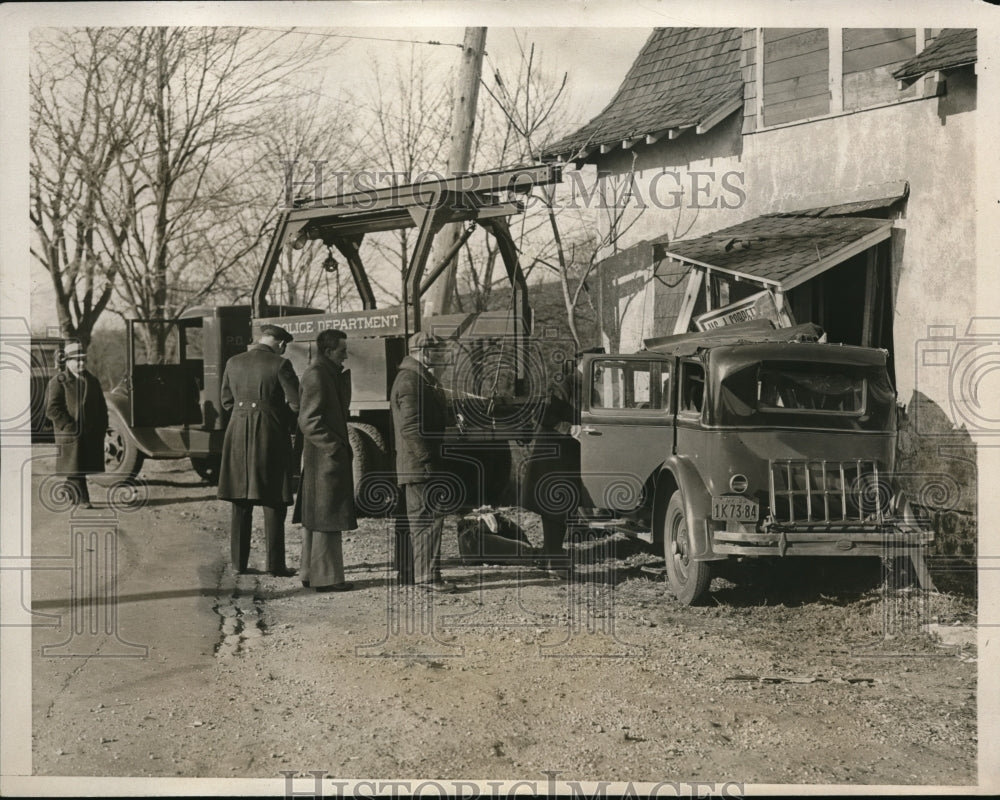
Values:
[(807, 394)]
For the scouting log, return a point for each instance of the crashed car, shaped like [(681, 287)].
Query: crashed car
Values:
[(746, 442)]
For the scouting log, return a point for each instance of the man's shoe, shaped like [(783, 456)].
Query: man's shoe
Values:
[(248, 571), (284, 573), (305, 584), (439, 587), (336, 587)]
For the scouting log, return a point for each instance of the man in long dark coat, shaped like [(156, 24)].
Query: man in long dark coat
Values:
[(261, 393), (419, 418), (551, 478), (325, 502), (75, 404)]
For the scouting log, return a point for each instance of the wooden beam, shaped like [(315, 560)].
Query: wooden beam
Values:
[(835, 49), (718, 115), (607, 148), (653, 138), (687, 305), (935, 84), (869, 309), (739, 276), (628, 144), (837, 257), (673, 133)]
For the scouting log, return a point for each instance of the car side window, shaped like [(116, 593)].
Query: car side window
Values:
[(625, 385), (692, 395)]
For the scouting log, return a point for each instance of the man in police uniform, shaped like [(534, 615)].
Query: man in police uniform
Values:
[(260, 391)]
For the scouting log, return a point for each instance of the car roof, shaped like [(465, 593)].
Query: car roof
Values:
[(754, 331)]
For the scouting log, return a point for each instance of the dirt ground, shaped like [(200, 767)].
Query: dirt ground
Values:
[(794, 673)]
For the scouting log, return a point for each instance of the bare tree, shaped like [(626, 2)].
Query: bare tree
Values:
[(171, 198), (522, 113), (533, 104), (85, 110), (282, 164), (403, 134)]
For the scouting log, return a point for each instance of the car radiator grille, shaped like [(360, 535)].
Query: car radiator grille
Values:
[(830, 492)]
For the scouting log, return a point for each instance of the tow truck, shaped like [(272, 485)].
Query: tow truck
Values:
[(490, 365)]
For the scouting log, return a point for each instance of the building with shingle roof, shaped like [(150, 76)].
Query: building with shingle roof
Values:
[(684, 78), (811, 163)]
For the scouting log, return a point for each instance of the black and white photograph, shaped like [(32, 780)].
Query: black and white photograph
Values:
[(495, 399)]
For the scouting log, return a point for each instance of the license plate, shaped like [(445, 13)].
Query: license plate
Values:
[(734, 509)]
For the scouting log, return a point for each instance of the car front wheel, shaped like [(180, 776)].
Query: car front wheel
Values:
[(122, 459), (689, 579)]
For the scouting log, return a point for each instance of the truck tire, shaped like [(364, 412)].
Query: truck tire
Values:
[(689, 579), (362, 459), (207, 468), (122, 459), (378, 453)]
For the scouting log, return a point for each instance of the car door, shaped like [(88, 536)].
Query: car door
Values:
[(163, 390), (626, 426)]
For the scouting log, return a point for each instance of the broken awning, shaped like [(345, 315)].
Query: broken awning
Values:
[(779, 252)]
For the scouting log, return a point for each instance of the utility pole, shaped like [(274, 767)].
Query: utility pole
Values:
[(463, 122)]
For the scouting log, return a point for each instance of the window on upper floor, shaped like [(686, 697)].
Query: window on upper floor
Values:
[(812, 72), (796, 74), (869, 57)]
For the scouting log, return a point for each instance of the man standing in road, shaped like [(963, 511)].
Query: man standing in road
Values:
[(419, 418), (261, 393), (75, 404), (325, 502)]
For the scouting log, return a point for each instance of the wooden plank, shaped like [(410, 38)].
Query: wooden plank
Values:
[(796, 67), (874, 87), (879, 55), (810, 41), (796, 109), (777, 34), (869, 309), (803, 86), (855, 38), (683, 323)]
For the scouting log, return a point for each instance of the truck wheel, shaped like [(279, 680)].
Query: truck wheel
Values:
[(689, 579), (122, 459), (378, 453), (362, 459), (207, 468)]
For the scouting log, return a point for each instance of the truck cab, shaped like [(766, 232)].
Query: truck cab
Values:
[(169, 403), (741, 444)]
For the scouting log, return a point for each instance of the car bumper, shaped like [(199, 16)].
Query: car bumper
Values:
[(839, 542)]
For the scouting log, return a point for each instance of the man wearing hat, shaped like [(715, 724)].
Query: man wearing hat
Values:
[(75, 404), (419, 419), (260, 391)]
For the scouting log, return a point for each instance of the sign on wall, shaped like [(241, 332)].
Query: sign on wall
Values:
[(757, 306)]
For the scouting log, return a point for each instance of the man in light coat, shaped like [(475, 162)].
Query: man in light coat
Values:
[(419, 417), (260, 391), (75, 404), (325, 502)]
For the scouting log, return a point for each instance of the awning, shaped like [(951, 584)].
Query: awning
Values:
[(778, 252)]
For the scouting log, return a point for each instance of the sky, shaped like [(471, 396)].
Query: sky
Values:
[(595, 61), (593, 41)]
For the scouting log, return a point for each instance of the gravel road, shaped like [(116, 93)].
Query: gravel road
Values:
[(792, 673)]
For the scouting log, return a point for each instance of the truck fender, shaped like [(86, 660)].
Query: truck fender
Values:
[(146, 444), (679, 472)]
